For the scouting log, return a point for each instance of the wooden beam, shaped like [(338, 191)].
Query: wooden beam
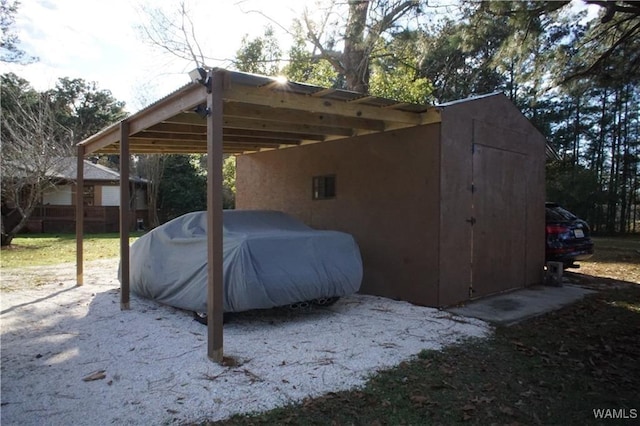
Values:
[(395, 106), (432, 115), (215, 305), (361, 99), (271, 85), (231, 132), (185, 99), (187, 117), (252, 122), (188, 128), (236, 149), (142, 136), (105, 138), (124, 215), (283, 114), (275, 126), (160, 149), (260, 140), (323, 92), (80, 216), (281, 99), (138, 146), (227, 133)]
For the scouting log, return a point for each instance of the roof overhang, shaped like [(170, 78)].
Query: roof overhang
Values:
[(259, 113)]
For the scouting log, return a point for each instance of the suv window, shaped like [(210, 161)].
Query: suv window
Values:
[(558, 214)]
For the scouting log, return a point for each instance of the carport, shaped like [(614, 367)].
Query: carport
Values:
[(225, 112)]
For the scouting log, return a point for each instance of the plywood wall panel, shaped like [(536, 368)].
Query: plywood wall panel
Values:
[(387, 195)]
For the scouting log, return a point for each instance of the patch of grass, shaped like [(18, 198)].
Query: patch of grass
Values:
[(614, 257), (51, 249), (550, 370)]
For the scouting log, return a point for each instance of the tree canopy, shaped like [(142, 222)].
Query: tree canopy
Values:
[(39, 132), (9, 41)]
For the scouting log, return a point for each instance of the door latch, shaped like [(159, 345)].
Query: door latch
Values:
[(471, 220)]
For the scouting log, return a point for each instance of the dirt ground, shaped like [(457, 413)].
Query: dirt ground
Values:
[(71, 356)]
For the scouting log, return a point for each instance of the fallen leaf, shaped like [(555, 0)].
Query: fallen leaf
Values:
[(506, 410), (98, 375), (228, 361), (418, 399)]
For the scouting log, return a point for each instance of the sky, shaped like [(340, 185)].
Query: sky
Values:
[(97, 40)]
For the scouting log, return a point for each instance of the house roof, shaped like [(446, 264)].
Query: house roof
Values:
[(68, 169), (259, 113)]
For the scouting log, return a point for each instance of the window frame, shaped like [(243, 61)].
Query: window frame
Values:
[(323, 187)]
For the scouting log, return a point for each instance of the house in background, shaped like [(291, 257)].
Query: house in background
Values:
[(101, 195)]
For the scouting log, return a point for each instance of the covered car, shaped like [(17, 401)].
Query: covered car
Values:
[(270, 259)]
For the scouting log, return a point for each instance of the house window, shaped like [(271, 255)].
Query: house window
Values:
[(324, 187), (88, 195)]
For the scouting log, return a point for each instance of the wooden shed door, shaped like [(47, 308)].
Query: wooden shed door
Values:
[(499, 221)]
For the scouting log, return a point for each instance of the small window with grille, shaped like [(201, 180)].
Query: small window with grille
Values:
[(324, 187)]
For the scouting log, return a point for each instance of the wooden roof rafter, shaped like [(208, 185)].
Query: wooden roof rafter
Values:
[(260, 110)]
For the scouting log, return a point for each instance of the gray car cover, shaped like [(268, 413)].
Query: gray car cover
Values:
[(269, 259)]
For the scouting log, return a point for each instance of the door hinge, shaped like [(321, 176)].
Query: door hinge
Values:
[(473, 188), (472, 220)]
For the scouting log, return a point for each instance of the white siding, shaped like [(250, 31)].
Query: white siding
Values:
[(110, 196), (60, 196)]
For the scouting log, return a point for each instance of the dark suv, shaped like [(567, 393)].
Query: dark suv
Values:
[(568, 237)]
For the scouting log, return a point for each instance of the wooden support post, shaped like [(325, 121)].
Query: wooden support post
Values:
[(214, 214), (124, 215), (80, 217)]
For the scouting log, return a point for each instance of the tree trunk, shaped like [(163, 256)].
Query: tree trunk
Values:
[(355, 57), (627, 160), (5, 239), (598, 164), (613, 171), (576, 135), (154, 167), (31, 196)]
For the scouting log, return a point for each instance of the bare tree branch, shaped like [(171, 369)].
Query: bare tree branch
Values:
[(190, 37), (35, 151), (314, 37), (179, 40)]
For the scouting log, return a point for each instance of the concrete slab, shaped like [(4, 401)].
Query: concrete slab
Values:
[(513, 307)]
